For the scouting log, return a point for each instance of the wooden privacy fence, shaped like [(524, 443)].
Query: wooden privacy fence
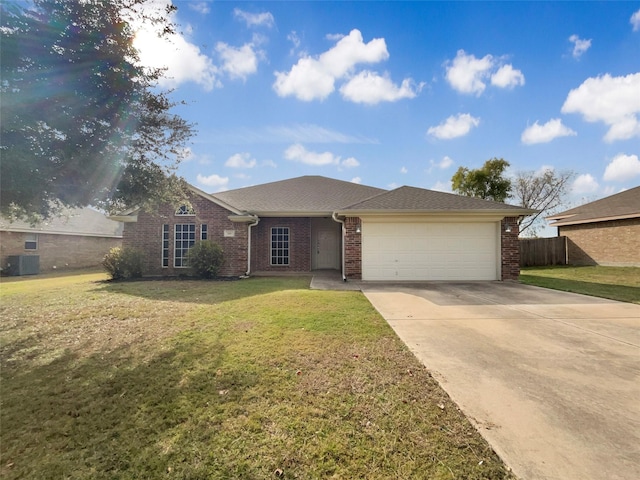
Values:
[(540, 252)]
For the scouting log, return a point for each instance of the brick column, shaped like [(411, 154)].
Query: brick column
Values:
[(510, 249), (352, 249)]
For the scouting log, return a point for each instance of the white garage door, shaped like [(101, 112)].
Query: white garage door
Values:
[(430, 251)]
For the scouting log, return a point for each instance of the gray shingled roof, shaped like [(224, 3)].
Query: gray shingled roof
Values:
[(79, 221), (621, 205), (405, 199), (301, 195)]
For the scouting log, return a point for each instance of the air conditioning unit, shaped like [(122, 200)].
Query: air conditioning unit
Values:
[(23, 264)]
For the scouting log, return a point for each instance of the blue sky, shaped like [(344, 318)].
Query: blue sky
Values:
[(403, 93)]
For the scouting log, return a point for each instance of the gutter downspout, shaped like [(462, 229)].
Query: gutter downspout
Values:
[(256, 222), (336, 219)]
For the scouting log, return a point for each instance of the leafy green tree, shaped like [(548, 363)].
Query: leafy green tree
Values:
[(487, 182), (82, 121)]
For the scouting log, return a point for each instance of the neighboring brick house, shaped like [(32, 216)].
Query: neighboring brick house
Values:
[(604, 232), (315, 223), (78, 238)]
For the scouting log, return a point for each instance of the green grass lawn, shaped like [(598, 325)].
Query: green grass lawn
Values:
[(252, 379), (617, 283)]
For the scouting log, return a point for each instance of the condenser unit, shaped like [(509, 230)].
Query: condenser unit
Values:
[(23, 264)]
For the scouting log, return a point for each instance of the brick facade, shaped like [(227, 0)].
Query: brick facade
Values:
[(352, 249), (57, 250), (299, 245), (146, 235), (510, 249), (614, 243)]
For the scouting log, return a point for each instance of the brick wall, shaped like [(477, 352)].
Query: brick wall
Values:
[(59, 251), (510, 249), (615, 243), (352, 248), (146, 235), (299, 245)]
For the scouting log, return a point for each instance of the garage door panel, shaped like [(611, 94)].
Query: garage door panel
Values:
[(430, 251)]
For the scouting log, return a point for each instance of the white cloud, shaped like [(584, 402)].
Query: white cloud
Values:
[(454, 126), (371, 88), (183, 61), (612, 100), (350, 163), (298, 153), (241, 160), (264, 19), (446, 162), (299, 133), (295, 40), (403, 170), (585, 183), (580, 45), (213, 181), (622, 167), (466, 73), (295, 133), (635, 21), (507, 77), (200, 7), (357, 180), (442, 187), (545, 133), (314, 78), (238, 62)]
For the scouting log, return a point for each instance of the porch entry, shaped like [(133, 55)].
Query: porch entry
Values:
[(325, 244)]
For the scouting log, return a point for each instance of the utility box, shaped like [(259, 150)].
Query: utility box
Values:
[(23, 264)]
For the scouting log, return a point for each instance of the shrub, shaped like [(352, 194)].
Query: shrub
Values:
[(205, 258), (121, 263)]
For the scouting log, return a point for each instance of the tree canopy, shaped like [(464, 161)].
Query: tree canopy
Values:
[(486, 182), (82, 121), (543, 191)]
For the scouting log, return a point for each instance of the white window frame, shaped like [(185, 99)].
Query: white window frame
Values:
[(204, 232), (180, 251), (280, 246), (185, 211), (165, 238), (33, 239)]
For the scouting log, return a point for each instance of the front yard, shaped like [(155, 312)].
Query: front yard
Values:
[(616, 283), (251, 379)]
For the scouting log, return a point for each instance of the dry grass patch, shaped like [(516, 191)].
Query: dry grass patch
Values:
[(192, 379)]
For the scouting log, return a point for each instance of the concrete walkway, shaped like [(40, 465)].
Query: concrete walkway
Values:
[(550, 379)]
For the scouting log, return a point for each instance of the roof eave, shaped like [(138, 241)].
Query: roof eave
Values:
[(310, 213), (400, 212), (561, 223), (216, 200), (123, 218)]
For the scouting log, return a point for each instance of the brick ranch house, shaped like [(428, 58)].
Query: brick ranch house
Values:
[(604, 232), (78, 238), (316, 223)]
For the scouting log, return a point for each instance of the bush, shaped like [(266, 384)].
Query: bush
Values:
[(205, 258), (121, 263)]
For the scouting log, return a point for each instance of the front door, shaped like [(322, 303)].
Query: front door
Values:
[(325, 244)]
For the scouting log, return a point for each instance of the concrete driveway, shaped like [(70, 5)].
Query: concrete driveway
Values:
[(550, 379)]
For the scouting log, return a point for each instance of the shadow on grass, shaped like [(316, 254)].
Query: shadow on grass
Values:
[(204, 291), (621, 293), (110, 416)]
